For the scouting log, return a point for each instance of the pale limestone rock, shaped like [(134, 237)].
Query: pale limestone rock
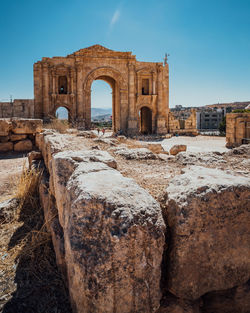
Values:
[(5, 126), (177, 148), (17, 137), (208, 212), (23, 145), (156, 148), (87, 134), (6, 146), (26, 126), (136, 154), (108, 141), (114, 236)]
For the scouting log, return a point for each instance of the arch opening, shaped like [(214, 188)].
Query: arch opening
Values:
[(102, 102), (62, 113), (145, 115)]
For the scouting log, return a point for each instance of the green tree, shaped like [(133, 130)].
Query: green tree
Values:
[(222, 126)]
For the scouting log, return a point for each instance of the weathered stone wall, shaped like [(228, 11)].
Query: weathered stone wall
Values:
[(189, 124), (23, 108), (18, 134), (108, 232), (237, 129)]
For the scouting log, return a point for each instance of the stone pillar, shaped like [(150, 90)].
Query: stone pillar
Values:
[(53, 83), (38, 96), (132, 121), (79, 92), (45, 91), (72, 95), (153, 83), (161, 119)]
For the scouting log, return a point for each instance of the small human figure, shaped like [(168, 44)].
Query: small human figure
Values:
[(98, 131), (103, 131)]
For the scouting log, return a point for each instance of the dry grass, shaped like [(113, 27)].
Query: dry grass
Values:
[(29, 280), (59, 125)]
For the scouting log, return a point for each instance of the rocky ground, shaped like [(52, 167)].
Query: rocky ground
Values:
[(135, 159)]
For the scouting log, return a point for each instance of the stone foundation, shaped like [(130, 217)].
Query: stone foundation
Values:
[(18, 134)]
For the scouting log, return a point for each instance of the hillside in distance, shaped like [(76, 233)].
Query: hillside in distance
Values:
[(95, 113)]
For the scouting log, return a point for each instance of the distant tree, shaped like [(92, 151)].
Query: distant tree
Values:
[(222, 126)]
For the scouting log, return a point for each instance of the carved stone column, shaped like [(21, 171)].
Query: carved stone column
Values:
[(79, 92), (72, 95), (132, 121), (153, 82), (45, 91), (161, 119)]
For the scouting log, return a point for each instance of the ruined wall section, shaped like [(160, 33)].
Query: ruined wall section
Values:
[(237, 129), (18, 134), (23, 108), (187, 126)]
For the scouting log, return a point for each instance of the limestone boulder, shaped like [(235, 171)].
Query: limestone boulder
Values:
[(241, 150), (113, 233), (23, 145), (208, 212), (156, 148), (136, 154), (26, 126), (87, 134), (5, 126), (190, 158), (107, 141), (177, 148), (6, 146), (50, 143)]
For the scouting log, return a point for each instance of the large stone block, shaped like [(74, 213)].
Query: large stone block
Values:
[(26, 126), (5, 126), (17, 137), (208, 212), (114, 236), (23, 145), (6, 146)]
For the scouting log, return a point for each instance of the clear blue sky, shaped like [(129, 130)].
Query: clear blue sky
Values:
[(208, 42)]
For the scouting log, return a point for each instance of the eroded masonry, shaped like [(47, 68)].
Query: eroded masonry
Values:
[(140, 90)]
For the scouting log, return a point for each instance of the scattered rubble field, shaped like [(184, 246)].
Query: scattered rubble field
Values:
[(30, 280)]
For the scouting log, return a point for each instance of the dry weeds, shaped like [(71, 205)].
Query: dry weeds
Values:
[(29, 281), (59, 125)]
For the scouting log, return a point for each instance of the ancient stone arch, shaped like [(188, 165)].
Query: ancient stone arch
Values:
[(134, 84)]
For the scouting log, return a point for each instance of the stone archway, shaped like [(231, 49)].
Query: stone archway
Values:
[(68, 108), (116, 82), (145, 120)]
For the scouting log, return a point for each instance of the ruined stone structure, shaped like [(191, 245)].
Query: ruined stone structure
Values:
[(186, 126), (23, 108), (140, 90), (237, 129)]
